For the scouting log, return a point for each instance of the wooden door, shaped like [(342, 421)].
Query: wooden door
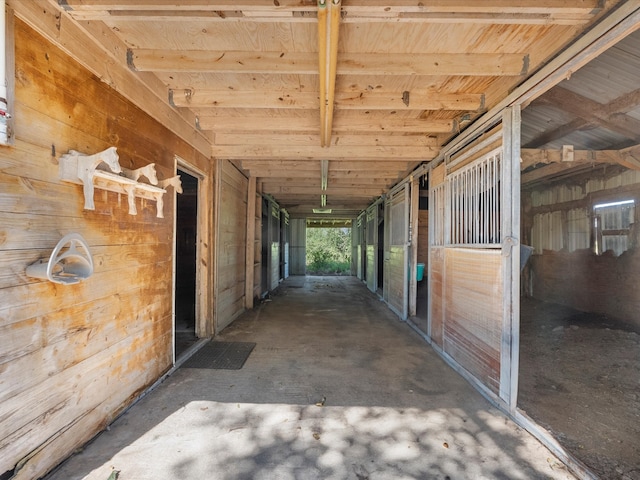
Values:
[(396, 277), (473, 259), (371, 269)]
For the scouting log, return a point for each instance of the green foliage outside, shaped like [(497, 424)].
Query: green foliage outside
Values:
[(328, 251)]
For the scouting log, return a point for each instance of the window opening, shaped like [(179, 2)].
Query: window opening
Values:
[(612, 224)]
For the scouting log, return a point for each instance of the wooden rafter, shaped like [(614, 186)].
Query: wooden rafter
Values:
[(279, 62), (559, 132), (390, 154), (628, 157), (592, 111), (313, 139), (362, 100), (346, 165), (491, 11), (365, 124)]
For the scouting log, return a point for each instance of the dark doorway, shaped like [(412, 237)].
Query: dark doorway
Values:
[(186, 242)]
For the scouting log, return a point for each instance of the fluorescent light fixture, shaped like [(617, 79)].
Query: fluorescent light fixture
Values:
[(321, 210), (324, 170), (613, 204), (323, 200)]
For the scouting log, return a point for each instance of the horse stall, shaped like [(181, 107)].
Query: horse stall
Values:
[(580, 328)]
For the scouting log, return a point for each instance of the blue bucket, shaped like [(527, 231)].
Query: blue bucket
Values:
[(420, 272)]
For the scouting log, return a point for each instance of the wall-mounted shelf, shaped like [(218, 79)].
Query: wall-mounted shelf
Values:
[(103, 171)]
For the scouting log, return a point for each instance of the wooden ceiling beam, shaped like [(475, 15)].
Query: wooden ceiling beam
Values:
[(309, 139), (341, 125), (313, 152), (311, 192), (350, 17), (314, 182), (379, 7), (359, 100), (558, 132), (372, 64), (492, 11), (628, 157), (350, 164), (592, 111), (549, 171)]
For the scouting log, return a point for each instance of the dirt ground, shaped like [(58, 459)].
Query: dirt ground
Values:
[(580, 379)]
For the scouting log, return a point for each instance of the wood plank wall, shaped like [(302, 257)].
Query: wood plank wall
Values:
[(423, 238), (231, 237), (473, 290), (73, 357)]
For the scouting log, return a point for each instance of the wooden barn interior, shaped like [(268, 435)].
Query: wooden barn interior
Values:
[(493, 147)]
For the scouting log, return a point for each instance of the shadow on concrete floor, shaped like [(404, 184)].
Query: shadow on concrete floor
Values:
[(336, 388)]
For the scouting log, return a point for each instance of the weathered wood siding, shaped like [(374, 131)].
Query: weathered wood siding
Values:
[(396, 277), (473, 291), (73, 357), (436, 294), (231, 237), (423, 238)]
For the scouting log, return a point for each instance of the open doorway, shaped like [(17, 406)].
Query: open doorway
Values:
[(186, 248), (422, 290), (579, 327), (328, 250)]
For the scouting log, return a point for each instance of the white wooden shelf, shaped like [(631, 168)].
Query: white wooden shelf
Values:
[(103, 171)]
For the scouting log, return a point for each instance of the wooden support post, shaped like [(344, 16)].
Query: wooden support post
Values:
[(250, 243), (413, 249), (510, 346)]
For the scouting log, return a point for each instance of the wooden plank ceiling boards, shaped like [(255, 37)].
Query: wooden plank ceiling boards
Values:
[(296, 91)]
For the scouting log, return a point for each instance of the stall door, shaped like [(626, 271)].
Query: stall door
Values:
[(357, 235), (371, 269), (396, 277), (274, 253), (474, 277), (298, 246)]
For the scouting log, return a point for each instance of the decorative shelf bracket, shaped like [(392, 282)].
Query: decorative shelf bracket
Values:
[(102, 170)]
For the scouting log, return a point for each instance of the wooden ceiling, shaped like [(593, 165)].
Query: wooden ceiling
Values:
[(331, 101)]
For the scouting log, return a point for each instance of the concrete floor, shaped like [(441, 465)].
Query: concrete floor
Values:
[(393, 409)]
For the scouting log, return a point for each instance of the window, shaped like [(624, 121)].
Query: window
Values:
[(612, 224), (473, 196)]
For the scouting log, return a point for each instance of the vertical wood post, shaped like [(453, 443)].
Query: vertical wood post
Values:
[(510, 215), (250, 243), (217, 196), (413, 248)]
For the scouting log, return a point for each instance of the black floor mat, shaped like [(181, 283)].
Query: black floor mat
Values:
[(221, 356)]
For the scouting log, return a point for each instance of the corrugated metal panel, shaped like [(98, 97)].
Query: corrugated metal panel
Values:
[(546, 233), (611, 75), (578, 229)]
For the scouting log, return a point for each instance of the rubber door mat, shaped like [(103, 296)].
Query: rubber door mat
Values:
[(221, 356)]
